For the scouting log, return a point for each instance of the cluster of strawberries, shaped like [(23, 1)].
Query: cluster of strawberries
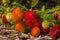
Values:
[(38, 27), (32, 21)]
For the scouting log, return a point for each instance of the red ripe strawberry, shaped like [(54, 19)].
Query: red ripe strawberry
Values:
[(29, 23), (29, 15), (32, 23), (31, 19), (36, 23), (4, 20), (54, 32)]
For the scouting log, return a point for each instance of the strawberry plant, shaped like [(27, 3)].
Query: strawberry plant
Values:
[(30, 20)]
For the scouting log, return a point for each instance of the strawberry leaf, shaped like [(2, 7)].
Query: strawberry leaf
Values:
[(50, 18), (43, 9), (43, 14), (7, 25), (34, 3)]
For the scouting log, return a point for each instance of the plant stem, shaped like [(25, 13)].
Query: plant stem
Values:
[(19, 5)]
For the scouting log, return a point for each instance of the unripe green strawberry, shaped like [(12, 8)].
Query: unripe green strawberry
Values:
[(45, 24), (8, 16)]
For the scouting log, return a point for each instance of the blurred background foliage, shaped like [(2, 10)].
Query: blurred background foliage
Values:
[(24, 4), (47, 3), (4, 4)]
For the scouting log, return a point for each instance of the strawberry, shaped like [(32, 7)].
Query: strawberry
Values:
[(35, 31), (54, 32), (17, 15), (45, 24), (19, 27), (4, 20), (31, 19), (29, 15), (36, 23), (8, 17)]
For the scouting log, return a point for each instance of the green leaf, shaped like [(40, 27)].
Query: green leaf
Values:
[(7, 25), (23, 9), (43, 9), (50, 18), (53, 9), (34, 3), (3, 9), (43, 14), (5, 2)]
